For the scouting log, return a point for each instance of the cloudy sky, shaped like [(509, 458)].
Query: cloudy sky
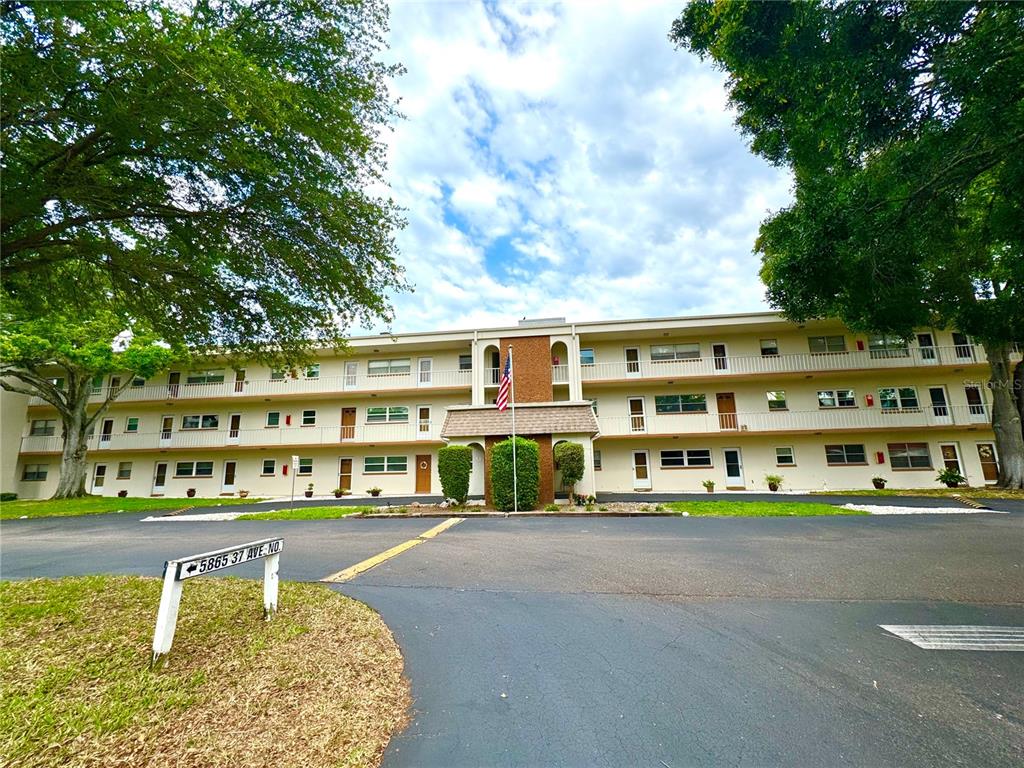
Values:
[(565, 160)]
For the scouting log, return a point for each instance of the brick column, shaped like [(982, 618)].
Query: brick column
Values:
[(531, 361)]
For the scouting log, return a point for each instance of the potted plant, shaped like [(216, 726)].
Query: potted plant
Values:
[(774, 482), (242, 494), (950, 477), (338, 493), (709, 486), (309, 491), (122, 493), (374, 491), (878, 482), (190, 492)]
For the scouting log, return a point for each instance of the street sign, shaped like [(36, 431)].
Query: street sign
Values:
[(176, 572), (199, 565)]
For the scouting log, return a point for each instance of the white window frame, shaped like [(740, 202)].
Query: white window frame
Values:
[(687, 459), (202, 418), (273, 468), (792, 456), (305, 415)]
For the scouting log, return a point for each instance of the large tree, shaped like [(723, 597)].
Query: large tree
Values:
[(206, 165), (60, 358), (903, 125), (204, 170)]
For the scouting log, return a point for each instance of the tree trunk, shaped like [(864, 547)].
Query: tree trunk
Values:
[(75, 423), (1006, 417)]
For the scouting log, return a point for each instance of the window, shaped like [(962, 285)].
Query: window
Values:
[(910, 456), (305, 466), (97, 384), (597, 461), (898, 398), (34, 471), (205, 377), (206, 421), (769, 347), (380, 464), (269, 467), (962, 344), (131, 424), (838, 455), (313, 372), (58, 382), (124, 470), (680, 404), (776, 400), (784, 456), (309, 418), (465, 362), (837, 398), (885, 347), (278, 374), (664, 352), (593, 406), (693, 457), (138, 381), (273, 418), (587, 357), (193, 469), (381, 414), (43, 427), (822, 344), (384, 367)]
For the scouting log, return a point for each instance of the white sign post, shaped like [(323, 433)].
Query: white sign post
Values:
[(176, 572), (295, 471)]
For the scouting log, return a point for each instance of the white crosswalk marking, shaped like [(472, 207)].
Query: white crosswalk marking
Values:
[(959, 637)]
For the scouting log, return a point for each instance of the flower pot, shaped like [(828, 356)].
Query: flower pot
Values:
[(243, 494), (122, 494), (773, 486), (950, 484), (191, 492), (710, 490), (338, 494), (879, 484), (375, 495), (309, 494)]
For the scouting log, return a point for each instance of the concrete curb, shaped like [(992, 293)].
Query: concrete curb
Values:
[(392, 516)]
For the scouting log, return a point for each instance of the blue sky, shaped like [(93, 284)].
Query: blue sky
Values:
[(564, 159)]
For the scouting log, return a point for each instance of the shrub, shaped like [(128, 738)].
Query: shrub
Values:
[(454, 465), (950, 477), (569, 458), (528, 474), (8, 496), (551, 508)]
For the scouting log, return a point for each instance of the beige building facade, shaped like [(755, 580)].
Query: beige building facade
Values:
[(660, 405)]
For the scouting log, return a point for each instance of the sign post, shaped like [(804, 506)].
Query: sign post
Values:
[(177, 572), (295, 471)]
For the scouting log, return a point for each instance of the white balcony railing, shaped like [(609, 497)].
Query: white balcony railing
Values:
[(964, 354), (559, 374), (289, 386), (835, 419), (268, 437)]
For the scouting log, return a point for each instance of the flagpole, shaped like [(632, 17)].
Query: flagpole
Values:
[(512, 397)]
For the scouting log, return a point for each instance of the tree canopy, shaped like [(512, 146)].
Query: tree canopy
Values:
[(903, 125), (206, 166)]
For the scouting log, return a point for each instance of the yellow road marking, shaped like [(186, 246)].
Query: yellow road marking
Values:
[(354, 570)]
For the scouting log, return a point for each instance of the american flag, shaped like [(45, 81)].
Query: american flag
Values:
[(506, 384)]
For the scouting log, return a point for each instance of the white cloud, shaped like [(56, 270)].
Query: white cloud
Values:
[(566, 160)]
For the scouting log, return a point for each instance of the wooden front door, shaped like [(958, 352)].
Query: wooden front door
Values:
[(989, 465), (348, 423), (423, 474), (726, 410), (345, 474)]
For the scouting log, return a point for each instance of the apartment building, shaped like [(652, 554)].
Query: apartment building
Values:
[(659, 405)]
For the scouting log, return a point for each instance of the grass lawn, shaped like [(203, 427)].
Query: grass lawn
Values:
[(757, 509), (306, 513), (321, 684), (967, 493), (95, 505)]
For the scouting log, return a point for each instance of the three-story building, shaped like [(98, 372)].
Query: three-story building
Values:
[(659, 405)]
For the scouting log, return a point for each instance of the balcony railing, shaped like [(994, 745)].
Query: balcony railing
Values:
[(289, 386), (962, 354), (794, 421), (559, 374), (267, 437)]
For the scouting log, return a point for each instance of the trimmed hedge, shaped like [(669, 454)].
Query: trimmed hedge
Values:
[(528, 474), (454, 465), (569, 457)]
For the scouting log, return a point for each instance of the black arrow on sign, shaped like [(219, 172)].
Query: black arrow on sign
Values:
[(191, 567)]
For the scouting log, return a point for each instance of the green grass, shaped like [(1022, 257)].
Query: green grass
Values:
[(97, 505), (306, 513), (320, 682), (757, 509), (968, 493)]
